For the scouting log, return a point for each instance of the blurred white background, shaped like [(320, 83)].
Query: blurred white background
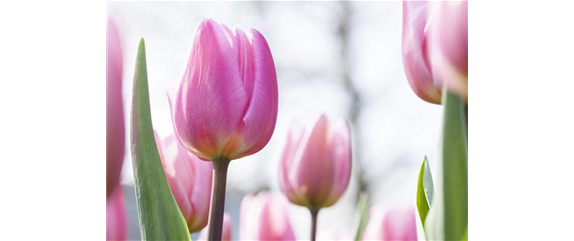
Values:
[(338, 58)]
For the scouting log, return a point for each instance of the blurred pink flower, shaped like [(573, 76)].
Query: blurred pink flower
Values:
[(189, 179), (116, 217), (227, 229), (316, 164), (114, 109), (395, 224), (264, 217), (226, 103), (435, 47)]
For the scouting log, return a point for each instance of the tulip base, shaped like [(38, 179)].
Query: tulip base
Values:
[(314, 214), (217, 207)]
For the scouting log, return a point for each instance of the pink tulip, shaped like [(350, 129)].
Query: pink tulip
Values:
[(227, 229), (435, 47), (396, 224), (264, 217), (116, 217), (226, 103), (114, 109), (189, 179), (316, 164)]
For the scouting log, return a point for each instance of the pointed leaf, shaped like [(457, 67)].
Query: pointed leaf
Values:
[(159, 215), (425, 190)]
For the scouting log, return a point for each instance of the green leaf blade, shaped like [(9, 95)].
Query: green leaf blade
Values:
[(362, 208), (425, 191), (159, 215)]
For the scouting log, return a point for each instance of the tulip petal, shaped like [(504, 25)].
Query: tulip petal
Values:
[(415, 51), (258, 123), (211, 98), (315, 157), (342, 159), (201, 194), (177, 171), (115, 127), (293, 139), (116, 217)]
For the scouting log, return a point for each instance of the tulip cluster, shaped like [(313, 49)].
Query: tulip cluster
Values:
[(225, 108)]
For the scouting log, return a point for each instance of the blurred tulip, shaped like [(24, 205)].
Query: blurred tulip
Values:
[(226, 103), (435, 47), (316, 165), (227, 229), (114, 109), (116, 217), (264, 217), (396, 224), (189, 179)]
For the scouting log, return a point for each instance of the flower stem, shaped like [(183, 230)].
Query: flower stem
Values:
[(217, 198), (314, 214)]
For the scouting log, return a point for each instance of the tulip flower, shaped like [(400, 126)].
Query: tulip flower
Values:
[(189, 179), (226, 103), (227, 229), (264, 217), (115, 131), (225, 106), (396, 224), (435, 47), (316, 165), (116, 217)]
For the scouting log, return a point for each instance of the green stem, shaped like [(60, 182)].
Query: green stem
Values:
[(217, 198), (314, 214)]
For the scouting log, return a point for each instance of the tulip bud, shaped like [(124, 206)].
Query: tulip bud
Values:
[(396, 224), (114, 109), (316, 164), (264, 217), (189, 179), (226, 103), (227, 229), (435, 47), (116, 217)]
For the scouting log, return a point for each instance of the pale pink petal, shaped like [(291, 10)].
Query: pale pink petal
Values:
[(115, 129), (285, 184), (116, 217), (260, 117), (201, 194), (342, 159), (416, 53), (450, 39)]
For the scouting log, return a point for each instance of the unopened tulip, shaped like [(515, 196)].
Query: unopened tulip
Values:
[(264, 217), (116, 217), (435, 47), (189, 179), (226, 103), (316, 164), (395, 224), (227, 229), (115, 131)]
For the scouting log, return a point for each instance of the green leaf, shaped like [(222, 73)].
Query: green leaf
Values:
[(159, 215), (448, 218), (425, 190), (362, 208)]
